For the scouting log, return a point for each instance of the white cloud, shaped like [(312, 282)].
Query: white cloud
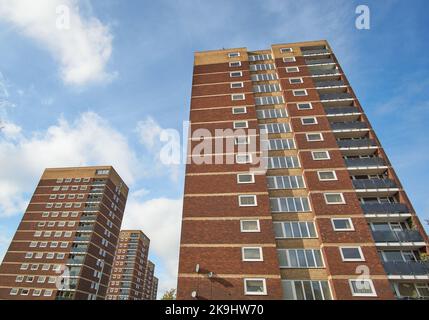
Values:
[(160, 220), (89, 140), (83, 50)]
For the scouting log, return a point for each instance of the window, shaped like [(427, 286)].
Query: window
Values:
[(289, 204), (281, 144), (300, 258), (238, 97), (295, 80), (233, 54), (247, 201), (264, 77), (235, 74), (275, 127), (285, 50), (292, 69), (271, 113), (306, 290), (241, 141), (320, 155), (14, 291), (245, 178), (309, 121), (334, 198), (24, 266), (311, 137), (234, 64), (285, 182), (19, 279), (327, 175), (260, 57), (41, 279), (294, 229), (342, 224), (37, 292), (25, 292), (351, 254), (241, 124), (289, 59), (262, 67), (268, 100), (250, 226), (237, 85), (243, 158), (300, 93), (266, 88), (255, 287), (362, 288), (47, 293), (304, 106), (252, 254), (239, 110), (283, 162)]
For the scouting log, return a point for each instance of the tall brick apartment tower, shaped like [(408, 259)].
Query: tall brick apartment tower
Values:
[(65, 244), (328, 210), (127, 281)]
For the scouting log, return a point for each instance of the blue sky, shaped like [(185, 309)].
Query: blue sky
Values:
[(102, 92)]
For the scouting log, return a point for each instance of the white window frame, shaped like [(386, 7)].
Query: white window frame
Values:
[(284, 50), (264, 286), (239, 143), (374, 294), (291, 59), (231, 64), (232, 72), (297, 78), (320, 159), (302, 103), (243, 121), (343, 201), (301, 95), (362, 257), (235, 83), (321, 138), (261, 256), (309, 124), (248, 205), (332, 171), (238, 97), (244, 162), (352, 227), (292, 69), (245, 174), (235, 108), (250, 231), (234, 54)]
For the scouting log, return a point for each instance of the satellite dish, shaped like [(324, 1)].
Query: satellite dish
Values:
[(197, 268), (194, 294), (210, 274)]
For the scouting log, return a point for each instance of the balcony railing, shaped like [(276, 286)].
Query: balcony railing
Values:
[(405, 268), (324, 72), (74, 261), (348, 125), (79, 249), (85, 228), (319, 61), (324, 84), (397, 236), (356, 143), (371, 208), (365, 162), (318, 51), (82, 239), (335, 96), (88, 218), (374, 183), (341, 110)]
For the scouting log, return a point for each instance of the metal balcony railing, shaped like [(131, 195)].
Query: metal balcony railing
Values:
[(79, 249), (319, 72), (323, 84), (318, 51), (405, 268), (85, 228), (82, 239), (365, 162), (348, 125), (374, 183), (88, 218), (384, 208), (319, 61), (356, 143), (397, 236), (74, 261), (335, 96), (341, 110)]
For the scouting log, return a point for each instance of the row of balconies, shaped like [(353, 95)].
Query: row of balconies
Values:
[(406, 268)]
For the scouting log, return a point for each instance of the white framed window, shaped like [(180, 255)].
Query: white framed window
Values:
[(244, 158), (292, 69), (41, 279), (37, 292), (235, 74), (25, 292), (247, 201), (342, 224), (68, 180), (47, 293), (243, 178), (241, 125), (351, 254), (237, 85), (255, 287), (19, 279), (289, 59), (285, 50), (234, 64), (314, 136), (320, 155), (252, 254), (239, 110), (238, 97), (296, 80), (250, 226), (233, 54), (14, 292), (334, 198), (327, 175), (304, 106), (308, 121), (362, 288), (300, 93), (241, 141)]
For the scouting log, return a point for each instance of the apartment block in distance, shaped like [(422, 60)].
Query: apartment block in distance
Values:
[(328, 209), (127, 281), (65, 244), (151, 282)]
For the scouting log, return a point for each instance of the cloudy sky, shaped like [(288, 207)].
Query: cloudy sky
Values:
[(101, 91)]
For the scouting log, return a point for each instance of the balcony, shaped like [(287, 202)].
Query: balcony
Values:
[(406, 268), (318, 61), (374, 184), (335, 96), (74, 261), (79, 249), (354, 125), (356, 143), (82, 239), (384, 208), (314, 52), (88, 218), (334, 111), (366, 166), (85, 228), (324, 72), (391, 239)]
